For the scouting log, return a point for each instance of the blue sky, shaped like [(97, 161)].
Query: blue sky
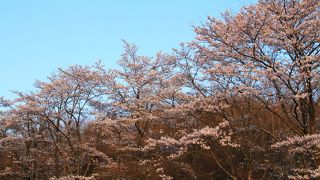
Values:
[(38, 36)]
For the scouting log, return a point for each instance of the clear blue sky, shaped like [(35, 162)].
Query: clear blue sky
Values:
[(38, 36)]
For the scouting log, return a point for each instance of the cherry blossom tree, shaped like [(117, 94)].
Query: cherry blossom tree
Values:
[(44, 136), (268, 51), (238, 102)]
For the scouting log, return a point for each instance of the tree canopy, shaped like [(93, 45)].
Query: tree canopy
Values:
[(240, 101)]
